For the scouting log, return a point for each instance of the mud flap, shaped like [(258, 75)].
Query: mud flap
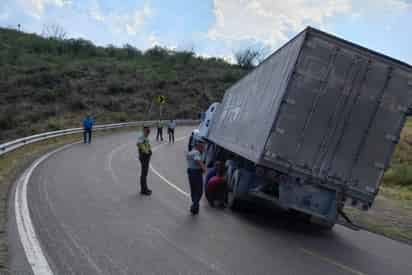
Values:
[(313, 200)]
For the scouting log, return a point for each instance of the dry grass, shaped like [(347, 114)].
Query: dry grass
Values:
[(391, 214)]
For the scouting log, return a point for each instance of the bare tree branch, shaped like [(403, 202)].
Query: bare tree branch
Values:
[(250, 57), (54, 31)]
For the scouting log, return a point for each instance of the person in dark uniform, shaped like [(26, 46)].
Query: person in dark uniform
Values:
[(171, 130), (145, 153), (195, 171), (159, 135)]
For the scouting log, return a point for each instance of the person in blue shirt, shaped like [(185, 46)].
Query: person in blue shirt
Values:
[(87, 129)]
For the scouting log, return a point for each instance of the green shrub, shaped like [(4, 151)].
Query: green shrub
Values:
[(400, 174), (157, 52), (54, 124), (7, 121), (230, 77), (45, 96), (77, 104)]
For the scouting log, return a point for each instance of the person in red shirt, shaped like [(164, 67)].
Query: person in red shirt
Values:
[(216, 187)]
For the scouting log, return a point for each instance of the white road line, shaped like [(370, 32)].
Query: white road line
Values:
[(168, 182), (163, 178), (332, 262), (110, 160), (29, 239)]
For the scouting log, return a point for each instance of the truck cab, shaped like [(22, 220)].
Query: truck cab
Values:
[(205, 122)]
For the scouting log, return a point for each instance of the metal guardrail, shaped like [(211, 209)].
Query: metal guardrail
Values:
[(12, 145)]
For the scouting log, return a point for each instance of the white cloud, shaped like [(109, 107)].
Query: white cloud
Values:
[(37, 7), (121, 22), (95, 11), (399, 5), (269, 21), (153, 40)]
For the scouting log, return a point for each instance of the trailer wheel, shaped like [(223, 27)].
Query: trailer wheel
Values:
[(230, 169), (233, 193)]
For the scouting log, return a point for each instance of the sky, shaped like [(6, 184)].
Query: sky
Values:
[(218, 27)]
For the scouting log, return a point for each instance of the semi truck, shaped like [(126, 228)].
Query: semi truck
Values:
[(312, 128)]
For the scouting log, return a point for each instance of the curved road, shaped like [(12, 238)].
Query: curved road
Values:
[(89, 220)]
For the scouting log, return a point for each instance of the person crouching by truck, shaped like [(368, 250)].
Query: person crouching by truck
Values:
[(195, 170), (87, 129), (216, 186)]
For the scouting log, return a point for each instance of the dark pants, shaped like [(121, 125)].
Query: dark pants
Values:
[(87, 135), (171, 133), (144, 163), (159, 134), (217, 193), (196, 186)]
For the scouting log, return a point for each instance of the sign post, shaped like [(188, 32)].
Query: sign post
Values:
[(160, 100)]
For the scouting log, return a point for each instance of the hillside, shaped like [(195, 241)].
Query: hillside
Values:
[(49, 84)]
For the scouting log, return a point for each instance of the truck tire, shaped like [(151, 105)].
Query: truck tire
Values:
[(234, 202), (230, 169)]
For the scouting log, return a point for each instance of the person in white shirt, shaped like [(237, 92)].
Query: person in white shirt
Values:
[(195, 171), (171, 130)]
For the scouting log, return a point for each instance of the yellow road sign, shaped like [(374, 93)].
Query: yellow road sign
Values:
[(161, 99)]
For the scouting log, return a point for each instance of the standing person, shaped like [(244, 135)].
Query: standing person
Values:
[(194, 134), (159, 134), (195, 170), (171, 130), (216, 186), (87, 129), (145, 152)]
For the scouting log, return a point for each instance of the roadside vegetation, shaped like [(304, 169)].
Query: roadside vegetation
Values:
[(391, 214), (50, 82)]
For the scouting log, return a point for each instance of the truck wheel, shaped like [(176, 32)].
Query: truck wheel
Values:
[(230, 169), (233, 194)]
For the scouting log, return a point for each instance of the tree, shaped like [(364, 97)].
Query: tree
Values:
[(249, 57), (185, 54), (81, 46), (131, 50), (157, 52), (54, 31)]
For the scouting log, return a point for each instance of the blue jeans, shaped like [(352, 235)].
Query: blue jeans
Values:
[(87, 135), (196, 186)]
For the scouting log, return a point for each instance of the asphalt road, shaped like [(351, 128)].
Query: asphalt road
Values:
[(89, 219)]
